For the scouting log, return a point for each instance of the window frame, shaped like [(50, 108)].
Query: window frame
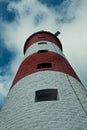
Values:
[(42, 51), (41, 37), (41, 43), (46, 95), (44, 65)]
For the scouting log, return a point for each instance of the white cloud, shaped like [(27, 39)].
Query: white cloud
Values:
[(73, 33), (75, 42), (3, 87), (2, 90)]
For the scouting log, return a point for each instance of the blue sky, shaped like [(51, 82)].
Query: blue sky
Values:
[(21, 18)]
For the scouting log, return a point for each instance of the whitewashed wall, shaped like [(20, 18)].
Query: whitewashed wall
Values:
[(21, 112)]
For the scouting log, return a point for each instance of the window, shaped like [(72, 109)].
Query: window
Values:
[(41, 37), (46, 95), (39, 43), (41, 51), (44, 65)]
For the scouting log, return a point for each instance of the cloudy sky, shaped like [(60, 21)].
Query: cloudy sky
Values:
[(21, 18)]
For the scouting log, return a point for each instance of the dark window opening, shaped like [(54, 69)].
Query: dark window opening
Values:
[(41, 37), (39, 43), (41, 51), (46, 95), (44, 65)]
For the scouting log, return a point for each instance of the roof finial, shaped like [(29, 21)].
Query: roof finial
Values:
[(57, 33)]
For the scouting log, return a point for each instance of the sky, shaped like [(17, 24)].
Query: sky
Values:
[(21, 18)]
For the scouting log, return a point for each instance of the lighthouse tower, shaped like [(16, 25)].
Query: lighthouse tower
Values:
[(46, 93)]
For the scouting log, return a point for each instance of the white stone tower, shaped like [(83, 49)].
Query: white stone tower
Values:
[(46, 93)]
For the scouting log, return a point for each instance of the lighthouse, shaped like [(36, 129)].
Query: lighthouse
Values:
[(46, 93)]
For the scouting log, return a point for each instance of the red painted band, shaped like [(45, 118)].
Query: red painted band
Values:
[(29, 65), (42, 36)]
